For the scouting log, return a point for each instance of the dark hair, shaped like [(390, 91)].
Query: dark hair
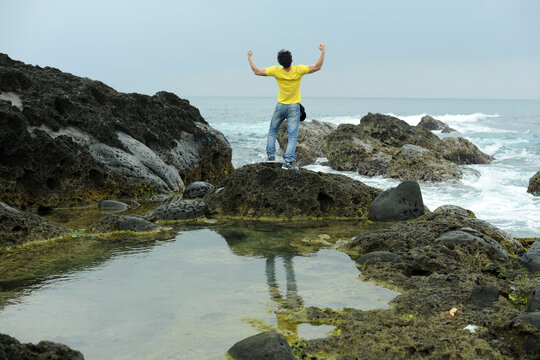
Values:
[(284, 58)]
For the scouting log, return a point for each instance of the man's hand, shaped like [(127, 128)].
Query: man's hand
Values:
[(322, 47), (250, 52), (318, 65)]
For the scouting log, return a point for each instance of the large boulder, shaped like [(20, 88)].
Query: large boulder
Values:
[(17, 227), (385, 145), (461, 151), (438, 229), (310, 136), (197, 189), (403, 202), (534, 184), (413, 162), (347, 146), (269, 345), (266, 190), (65, 139), (12, 349), (429, 123)]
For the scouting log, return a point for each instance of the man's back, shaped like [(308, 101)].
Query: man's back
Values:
[(288, 82)]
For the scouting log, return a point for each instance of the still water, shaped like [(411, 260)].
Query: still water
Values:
[(188, 297)]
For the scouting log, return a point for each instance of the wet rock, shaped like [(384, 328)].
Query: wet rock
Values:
[(385, 145), (462, 152), (384, 256), (73, 139), (403, 202), (484, 296), (377, 164), (12, 349), (266, 190), (465, 236), (310, 138), (269, 345), (112, 206), (534, 185), (124, 223), (416, 163), (197, 189), (531, 259), (179, 210), (523, 335), (347, 146), (534, 304), (429, 123), (422, 232), (17, 227)]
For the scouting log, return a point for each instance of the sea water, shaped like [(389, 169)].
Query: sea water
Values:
[(507, 129)]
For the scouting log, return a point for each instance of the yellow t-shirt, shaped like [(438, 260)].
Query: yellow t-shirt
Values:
[(288, 82)]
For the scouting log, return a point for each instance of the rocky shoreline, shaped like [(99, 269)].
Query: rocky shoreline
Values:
[(468, 289)]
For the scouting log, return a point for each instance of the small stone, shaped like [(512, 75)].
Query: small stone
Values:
[(484, 296)]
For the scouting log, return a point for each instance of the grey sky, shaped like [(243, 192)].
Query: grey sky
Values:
[(383, 48)]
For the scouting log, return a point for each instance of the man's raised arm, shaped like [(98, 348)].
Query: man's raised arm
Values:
[(256, 70), (319, 63)]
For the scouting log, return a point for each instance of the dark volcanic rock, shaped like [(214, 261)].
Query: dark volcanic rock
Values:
[(485, 296), (119, 223), (465, 236), (69, 139), (11, 349), (425, 230), (384, 256), (269, 345), (179, 210), (461, 151), (197, 189), (429, 123), (385, 145), (17, 227), (534, 304), (310, 137), (534, 185), (403, 202), (266, 190), (416, 163), (346, 147), (531, 259)]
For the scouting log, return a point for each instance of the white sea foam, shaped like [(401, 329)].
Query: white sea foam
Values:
[(463, 123)]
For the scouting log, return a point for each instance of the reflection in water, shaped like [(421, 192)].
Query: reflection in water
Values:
[(285, 304), (165, 299)]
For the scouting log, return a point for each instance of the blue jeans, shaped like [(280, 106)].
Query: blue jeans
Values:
[(290, 112)]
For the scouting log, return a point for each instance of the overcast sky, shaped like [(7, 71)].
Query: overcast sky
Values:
[(382, 48)]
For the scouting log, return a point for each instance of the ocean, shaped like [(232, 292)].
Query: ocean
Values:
[(507, 129)]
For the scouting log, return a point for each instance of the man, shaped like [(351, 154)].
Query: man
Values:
[(288, 78)]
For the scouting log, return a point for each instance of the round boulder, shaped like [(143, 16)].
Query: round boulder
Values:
[(179, 210), (465, 236), (403, 202), (268, 345), (531, 259)]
